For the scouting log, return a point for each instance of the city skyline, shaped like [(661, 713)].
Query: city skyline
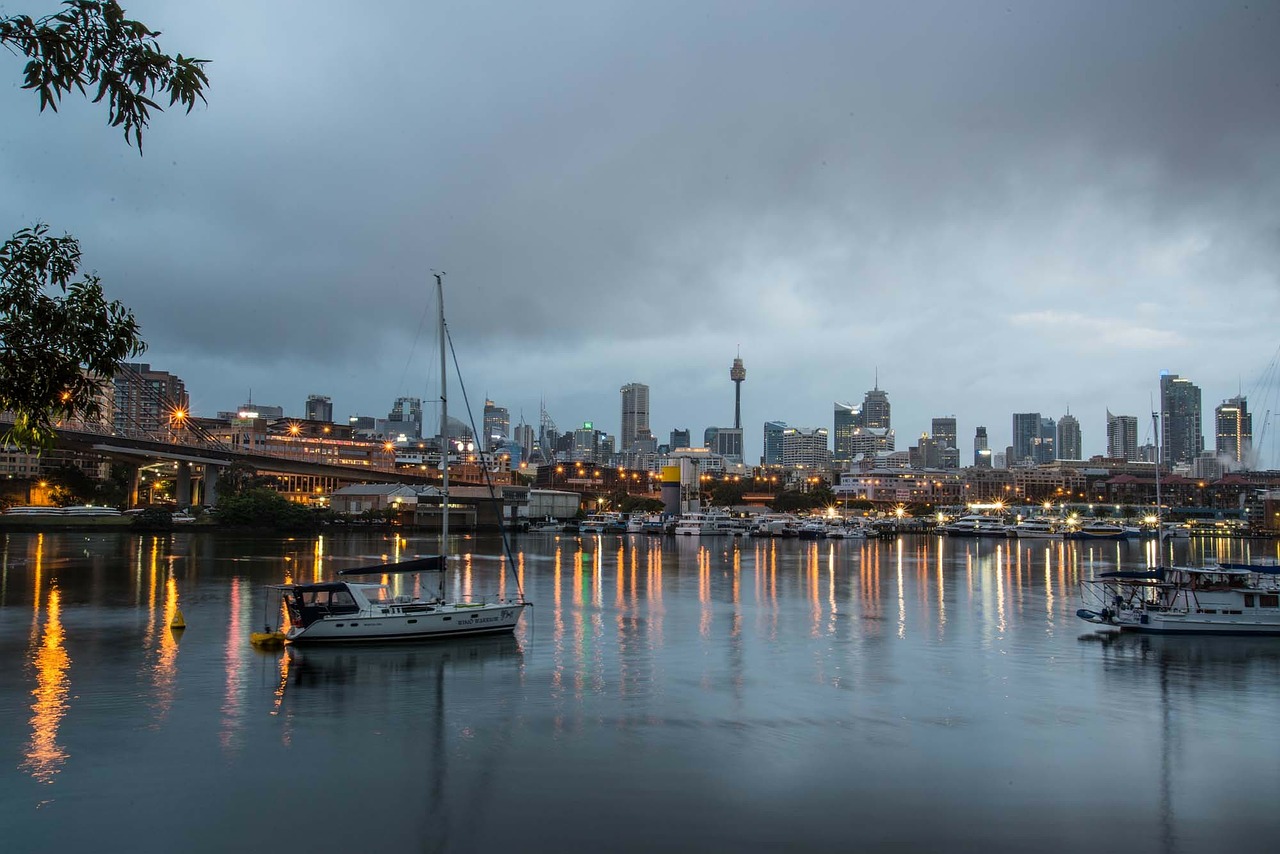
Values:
[(999, 209)]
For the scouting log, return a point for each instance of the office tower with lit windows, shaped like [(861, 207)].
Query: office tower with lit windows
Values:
[(406, 413), (1122, 437), (1068, 447), (943, 433), (680, 438), (1181, 427), (848, 418), (773, 442), (981, 453), (875, 409), (805, 448), (1233, 431), (319, 408), (497, 424), (146, 400), (1026, 435), (635, 415), (1043, 449)]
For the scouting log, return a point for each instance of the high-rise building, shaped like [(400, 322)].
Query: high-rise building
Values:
[(1044, 445), (1122, 437), (848, 418), (1233, 431), (1068, 447), (319, 408), (867, 442), (147, 401), (944, 441), (803, 447), (1181, 427), (773, 442), (728, 444), (875, 409), (525, 439), (1026, 432), (497, 424), (407, 413), (981, 453), (635, 415), (680, 438)]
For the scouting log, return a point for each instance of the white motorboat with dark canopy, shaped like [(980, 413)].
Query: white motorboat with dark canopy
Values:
[(1228, 599), (369, 611), (346, 611)]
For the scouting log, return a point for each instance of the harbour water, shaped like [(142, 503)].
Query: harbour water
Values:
[(919, 694)]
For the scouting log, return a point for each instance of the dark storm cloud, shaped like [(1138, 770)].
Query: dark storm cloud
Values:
[(1044, 204)]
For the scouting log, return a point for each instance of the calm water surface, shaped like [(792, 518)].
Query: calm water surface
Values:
[(756, 695)]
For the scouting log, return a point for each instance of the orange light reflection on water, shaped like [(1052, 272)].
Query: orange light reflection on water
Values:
[(51, 663)]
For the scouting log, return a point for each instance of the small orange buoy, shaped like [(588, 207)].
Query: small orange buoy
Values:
[(178, 623)]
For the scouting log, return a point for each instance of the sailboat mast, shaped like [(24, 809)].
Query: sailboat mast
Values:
[(444, 435)]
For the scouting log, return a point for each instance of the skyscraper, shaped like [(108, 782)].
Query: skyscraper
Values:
[(981, 453), (944, 439), (1044, 444), (808, 448), (635, 415), (1069, 443), (497, 424), (319, 408), (1122, 437), (848, 418), (773, 442), (407, 412), (1233, 431), (1026, 430), (1181, 428), (875, 409), (680, 438)]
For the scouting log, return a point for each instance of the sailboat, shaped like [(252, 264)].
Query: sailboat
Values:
[(348, 611)]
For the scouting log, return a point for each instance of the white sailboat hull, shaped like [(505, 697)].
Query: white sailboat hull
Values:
[(411, 623)]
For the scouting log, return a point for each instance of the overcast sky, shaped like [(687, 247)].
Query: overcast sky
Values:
[(1003, 207)]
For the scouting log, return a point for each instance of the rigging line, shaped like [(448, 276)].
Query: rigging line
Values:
[(422, 322), (488, 481)]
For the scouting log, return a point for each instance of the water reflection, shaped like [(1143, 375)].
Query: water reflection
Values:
[(52, 666)]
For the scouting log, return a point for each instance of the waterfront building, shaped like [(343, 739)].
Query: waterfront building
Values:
[(319, 408), (1122, 437), (1233, 431), (1068, 446), (497, 425), (147, 400), (848, 418), (635, 416), (1181, 430), (981, 453), (773, 442), (806, 448)]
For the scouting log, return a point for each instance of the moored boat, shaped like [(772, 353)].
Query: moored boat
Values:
[(1225, 599)]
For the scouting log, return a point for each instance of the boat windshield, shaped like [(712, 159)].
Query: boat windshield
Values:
[(377, 594)]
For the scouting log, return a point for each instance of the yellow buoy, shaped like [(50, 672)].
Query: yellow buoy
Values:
[(178, 622), (266, 640)]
